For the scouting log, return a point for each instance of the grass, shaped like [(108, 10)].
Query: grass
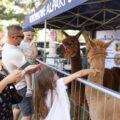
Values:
[(83, 112)]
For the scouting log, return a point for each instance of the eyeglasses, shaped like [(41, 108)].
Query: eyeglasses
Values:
[(20, 36)]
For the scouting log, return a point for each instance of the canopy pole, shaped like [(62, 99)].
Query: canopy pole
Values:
[(45, 27)]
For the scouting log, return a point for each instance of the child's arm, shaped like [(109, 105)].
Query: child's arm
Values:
[(78, 74), (35, 51)]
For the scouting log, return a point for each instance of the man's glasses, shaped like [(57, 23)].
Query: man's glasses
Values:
[(20, 36)]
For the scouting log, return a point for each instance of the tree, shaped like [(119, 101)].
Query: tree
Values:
[(8, 10), (16, 10)]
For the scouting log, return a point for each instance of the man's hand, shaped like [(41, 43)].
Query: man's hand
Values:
[(32, 57), (31, 69)]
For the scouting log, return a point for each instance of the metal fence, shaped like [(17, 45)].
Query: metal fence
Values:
[(104, 104)]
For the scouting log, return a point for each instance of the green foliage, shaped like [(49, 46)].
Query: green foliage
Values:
[(2, 8), (18, 17), (1, 28), (16, 10), (60, 36)]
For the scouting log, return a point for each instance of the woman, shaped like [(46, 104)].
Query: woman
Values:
[(5, 95)]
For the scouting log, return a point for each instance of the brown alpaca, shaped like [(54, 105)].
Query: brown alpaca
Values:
[(71, 48), (111, 76), (100, 108)]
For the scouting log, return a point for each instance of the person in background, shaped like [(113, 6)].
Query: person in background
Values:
[(29, 49), (13, 59), (51, 99), (5, 94)]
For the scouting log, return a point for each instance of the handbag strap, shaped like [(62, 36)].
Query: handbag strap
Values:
[(51, 97), (4, 68)]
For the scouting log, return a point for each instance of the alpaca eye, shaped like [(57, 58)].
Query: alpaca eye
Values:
[(69, 44)]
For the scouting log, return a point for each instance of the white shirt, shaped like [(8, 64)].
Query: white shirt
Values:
[(13, 58), (26, 48), (60, 109)]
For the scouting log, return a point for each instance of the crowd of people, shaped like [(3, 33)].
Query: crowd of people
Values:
[(17, 65)]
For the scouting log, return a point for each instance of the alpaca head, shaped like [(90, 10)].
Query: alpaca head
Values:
[(70, 46), (97, 48)]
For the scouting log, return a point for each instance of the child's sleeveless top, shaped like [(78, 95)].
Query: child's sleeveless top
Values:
[(26, 48), (60, 109)]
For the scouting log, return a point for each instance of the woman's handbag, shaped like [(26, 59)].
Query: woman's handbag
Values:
[(16, 98)]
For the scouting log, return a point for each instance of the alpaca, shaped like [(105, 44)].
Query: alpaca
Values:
[(111, 78), (71, 47), (100, 108)]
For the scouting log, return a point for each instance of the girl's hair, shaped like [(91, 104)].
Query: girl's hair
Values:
[(43, 82)]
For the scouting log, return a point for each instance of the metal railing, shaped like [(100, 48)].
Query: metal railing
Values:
[(91, 84), (100, 89)]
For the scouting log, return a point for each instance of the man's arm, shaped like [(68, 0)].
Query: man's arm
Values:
[(25, 65), (18, 59), (30, 69)]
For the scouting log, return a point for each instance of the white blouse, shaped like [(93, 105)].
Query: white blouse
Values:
[(60, 109)]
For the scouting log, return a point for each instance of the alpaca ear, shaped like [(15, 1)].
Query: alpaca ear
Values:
[(108, 44), (65, 33), (90, 42), (78, 35)]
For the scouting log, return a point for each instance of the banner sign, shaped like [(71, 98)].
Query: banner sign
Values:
[(51, 9), (114, 49)]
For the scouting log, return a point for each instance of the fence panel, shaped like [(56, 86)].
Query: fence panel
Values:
[(104, 104)]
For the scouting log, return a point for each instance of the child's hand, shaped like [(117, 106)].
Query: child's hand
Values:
[(95, 71), (32, 57)]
